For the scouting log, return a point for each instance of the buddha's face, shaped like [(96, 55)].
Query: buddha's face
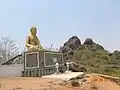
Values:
[(34, 31)]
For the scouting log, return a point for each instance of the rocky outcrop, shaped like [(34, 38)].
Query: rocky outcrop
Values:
[(72, 44), (88, 41)]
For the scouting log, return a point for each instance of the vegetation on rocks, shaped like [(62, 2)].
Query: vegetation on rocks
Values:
[(91, 56)]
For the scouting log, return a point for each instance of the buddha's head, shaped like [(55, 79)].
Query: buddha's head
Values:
[(33, 30)]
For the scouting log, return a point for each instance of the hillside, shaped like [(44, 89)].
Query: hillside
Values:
[(91, 57)]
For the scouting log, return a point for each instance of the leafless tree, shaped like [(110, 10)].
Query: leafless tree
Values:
[(8, 49)]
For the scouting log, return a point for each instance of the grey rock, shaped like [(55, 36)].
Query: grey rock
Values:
[(88, 41), (73, 43)]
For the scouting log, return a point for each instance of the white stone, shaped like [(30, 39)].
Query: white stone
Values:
[(64, 76)]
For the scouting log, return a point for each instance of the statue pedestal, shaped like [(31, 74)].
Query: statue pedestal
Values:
[(42, 62)]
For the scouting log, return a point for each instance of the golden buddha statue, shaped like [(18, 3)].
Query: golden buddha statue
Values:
[(32, 41)]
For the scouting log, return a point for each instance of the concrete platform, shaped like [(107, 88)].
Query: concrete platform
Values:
[(65, 76)]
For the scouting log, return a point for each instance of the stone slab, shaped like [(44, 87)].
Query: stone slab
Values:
[(65, 76)]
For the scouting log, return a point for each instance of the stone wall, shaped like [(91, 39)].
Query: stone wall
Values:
[(11, 70)]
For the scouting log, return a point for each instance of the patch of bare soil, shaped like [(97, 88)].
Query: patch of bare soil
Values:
[(93, 82), (99, 83), (26, 83)]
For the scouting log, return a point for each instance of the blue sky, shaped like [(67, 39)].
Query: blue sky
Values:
[(57, 20)]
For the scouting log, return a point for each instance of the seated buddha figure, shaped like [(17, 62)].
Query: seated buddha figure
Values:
[(32, 41)]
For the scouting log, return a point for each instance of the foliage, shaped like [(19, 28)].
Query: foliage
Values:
[(96, 59), (8, 49)]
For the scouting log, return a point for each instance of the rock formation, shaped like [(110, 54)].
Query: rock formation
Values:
[(73, 43), (88, 41)]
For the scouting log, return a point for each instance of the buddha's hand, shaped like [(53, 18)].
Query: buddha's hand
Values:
[(36, 47), (33, 47)]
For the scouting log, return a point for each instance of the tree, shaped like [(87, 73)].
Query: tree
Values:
[(8, 49)]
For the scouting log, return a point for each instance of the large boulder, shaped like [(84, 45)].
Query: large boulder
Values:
[(73, 43), (88, 41)]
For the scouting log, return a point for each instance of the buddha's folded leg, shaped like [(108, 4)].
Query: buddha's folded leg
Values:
[(31, 49)]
